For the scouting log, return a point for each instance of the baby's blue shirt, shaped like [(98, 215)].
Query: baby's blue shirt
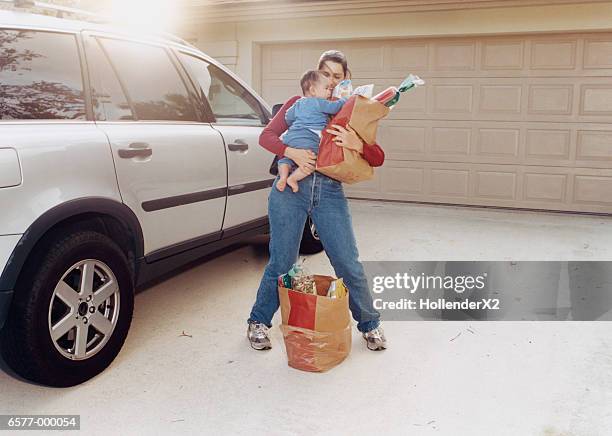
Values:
[(307, 118)]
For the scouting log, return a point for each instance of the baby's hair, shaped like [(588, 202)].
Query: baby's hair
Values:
[(309, 78)]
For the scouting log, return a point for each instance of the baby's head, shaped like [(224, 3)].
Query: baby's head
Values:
[(315, 84)]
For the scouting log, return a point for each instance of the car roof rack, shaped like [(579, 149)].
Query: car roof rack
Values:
[(62, 11)]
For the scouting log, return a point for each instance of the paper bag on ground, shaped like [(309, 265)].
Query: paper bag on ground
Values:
[(341, 163), (316, 329)]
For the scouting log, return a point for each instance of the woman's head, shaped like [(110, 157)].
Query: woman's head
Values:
[(333, 65)]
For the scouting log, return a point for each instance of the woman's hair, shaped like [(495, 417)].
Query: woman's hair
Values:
[(337, 57)]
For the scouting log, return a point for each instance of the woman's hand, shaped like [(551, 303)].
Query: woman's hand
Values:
[(305, 159), (346, 138)]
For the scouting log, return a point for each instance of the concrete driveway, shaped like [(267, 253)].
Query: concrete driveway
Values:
[(187, 367)]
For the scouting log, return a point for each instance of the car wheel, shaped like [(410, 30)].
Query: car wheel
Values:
[(70, 316), (311, 244)]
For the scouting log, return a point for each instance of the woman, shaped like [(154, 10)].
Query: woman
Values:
[(323, 199)]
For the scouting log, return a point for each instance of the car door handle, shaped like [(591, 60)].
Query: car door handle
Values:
[(238, 145), (136, 149)]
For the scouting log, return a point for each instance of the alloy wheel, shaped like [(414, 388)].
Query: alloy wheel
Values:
[(84, 309)]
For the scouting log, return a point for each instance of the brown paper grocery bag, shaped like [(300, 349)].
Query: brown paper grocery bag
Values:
[(365, 116), (352, 169), (316, 329), (344, 164)]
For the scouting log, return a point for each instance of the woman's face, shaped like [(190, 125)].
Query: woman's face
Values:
[(334, 72)]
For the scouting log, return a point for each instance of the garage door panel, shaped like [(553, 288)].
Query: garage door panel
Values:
[(451, 141), (593, 189), (520, 99), (571, 189), (451, 99), (404, 55), (500, 99), (598, 53), (454, 55), (553, 54), (550, 99), (596, 99), (548, 188), (503, 55), (571, 55), (495, 184), (548, 144), (536, 144), (498, 142), (279, 60), (594, 145), (510, 120), (506, 99)]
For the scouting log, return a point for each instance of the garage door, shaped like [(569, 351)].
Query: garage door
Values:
[(513, 121)]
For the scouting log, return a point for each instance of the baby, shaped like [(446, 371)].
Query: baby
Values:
[(306, 120)]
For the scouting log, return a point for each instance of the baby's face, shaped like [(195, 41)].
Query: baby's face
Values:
[(321, 89)]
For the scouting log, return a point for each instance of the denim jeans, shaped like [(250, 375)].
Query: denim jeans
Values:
[(323, 199)]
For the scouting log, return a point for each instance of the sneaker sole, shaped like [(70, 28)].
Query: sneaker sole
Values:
[(379, 348), (265, 347)]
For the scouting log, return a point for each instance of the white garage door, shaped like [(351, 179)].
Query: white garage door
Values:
[(515, 121)]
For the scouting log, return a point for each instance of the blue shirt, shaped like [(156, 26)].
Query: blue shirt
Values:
[(307, 118)]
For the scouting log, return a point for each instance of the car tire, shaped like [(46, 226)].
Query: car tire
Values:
[(27, 343), (311, 244)]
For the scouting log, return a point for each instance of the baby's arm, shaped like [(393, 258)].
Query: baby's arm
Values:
[(331, 107)]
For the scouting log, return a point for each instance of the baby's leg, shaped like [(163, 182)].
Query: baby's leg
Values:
[(295, 177), (283, 172)]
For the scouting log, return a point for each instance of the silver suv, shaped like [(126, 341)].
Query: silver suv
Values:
[(122, 157)]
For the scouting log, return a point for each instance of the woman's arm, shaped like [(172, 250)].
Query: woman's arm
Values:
[(349, 138), (373, 154), (270, 136)]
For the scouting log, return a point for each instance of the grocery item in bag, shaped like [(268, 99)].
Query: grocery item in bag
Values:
[(286, 280), (343, 89), (387, 95), (390, 96), (336, 289), (364, 90), (305, 284)]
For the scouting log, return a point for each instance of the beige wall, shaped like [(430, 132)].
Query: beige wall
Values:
[(238, 44)]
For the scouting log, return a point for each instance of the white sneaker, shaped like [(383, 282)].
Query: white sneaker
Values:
[(375, 339), (258, 336)]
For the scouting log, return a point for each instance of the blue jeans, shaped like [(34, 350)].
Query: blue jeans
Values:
[(321, 198)]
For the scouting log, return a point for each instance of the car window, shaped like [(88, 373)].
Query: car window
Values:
[(152, 83), (230, 102), (108, 98), (40, 76)]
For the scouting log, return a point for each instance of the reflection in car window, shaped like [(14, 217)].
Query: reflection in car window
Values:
[(40, 76), (229, 101), (108, 99), (153, 85)]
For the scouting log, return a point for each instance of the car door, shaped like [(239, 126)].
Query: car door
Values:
[(171, 165), (240, 118)]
